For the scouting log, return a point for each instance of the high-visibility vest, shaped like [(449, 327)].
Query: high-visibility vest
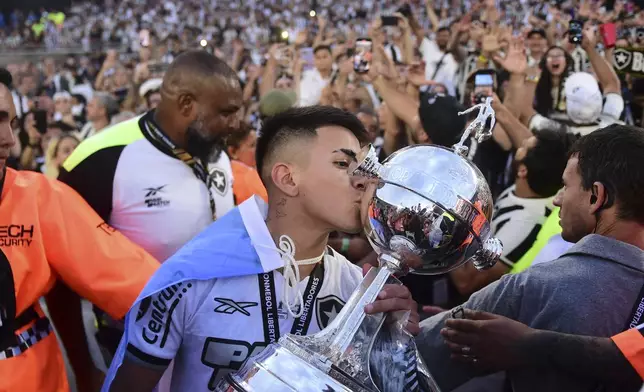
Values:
[(247, 182), (631, 344), (47, 231), (550, 228)]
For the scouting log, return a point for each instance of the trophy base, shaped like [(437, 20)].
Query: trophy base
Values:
[(276, 369)]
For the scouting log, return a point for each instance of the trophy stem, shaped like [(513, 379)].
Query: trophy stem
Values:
[(353, 319)]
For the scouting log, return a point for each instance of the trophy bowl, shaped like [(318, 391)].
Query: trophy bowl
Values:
[(431, 209)]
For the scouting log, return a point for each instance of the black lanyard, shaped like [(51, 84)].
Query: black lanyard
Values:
[(635, 317), (161, 141), (4, 175), (270, 303)]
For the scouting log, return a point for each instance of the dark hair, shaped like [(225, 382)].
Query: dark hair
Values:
[(6, 78), (302, 122), (369, 112), (322, 47), (546, 161), (613, 156), (444, 28), (63, 137), (543, 102), (194, 67), (236, 138)]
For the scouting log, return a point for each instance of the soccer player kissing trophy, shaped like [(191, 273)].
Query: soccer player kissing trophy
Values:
[(429, 214)]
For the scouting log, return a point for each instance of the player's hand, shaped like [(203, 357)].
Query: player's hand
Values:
[(392, 298)]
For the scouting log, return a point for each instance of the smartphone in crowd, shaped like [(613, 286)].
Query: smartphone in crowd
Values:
[(483, 86), (575, 32), (389, 20), (609, 34), (639, 34), (40, 119), (362, 56), (283, 37), (483, 80), (278, 35)]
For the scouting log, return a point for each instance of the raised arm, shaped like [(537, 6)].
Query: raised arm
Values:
[(608, 79)]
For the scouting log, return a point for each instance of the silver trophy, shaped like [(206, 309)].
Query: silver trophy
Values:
[(429, 214)]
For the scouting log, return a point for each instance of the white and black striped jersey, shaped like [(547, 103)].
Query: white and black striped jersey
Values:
[(516, 222), (210, 327)]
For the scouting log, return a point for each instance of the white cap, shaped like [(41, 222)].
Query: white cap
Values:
[(62, 95), (150, 85), (583, 98)]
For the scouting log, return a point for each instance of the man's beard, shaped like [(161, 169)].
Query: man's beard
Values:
[(206, 148)]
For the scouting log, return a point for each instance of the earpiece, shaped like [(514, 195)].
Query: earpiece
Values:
[(593, 199)]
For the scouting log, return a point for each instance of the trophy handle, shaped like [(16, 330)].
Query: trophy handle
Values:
[(367, 164), (488, 255)]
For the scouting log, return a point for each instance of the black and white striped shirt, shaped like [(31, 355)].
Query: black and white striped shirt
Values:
[(517, 221)]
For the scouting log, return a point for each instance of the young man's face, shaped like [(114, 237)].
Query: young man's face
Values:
[(323, 60), (63, 105), (7, 116), (576, 220), (537, 44), (329, 193), (442, 39)]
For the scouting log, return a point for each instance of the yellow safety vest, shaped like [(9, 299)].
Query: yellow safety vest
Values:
[(550, 227)]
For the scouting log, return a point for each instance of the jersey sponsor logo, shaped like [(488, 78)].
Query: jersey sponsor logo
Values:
[(153, 197), (327, 309), (162, 307), (16, 235), (226, 355), (144, 306), (229, 306), (218, 180)]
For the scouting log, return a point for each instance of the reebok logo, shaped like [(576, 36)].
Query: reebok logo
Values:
[(16, 235), (152, 197), (228, 306)]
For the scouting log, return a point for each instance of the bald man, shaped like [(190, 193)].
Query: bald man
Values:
[(163, 177)]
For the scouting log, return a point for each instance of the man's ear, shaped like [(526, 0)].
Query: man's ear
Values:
[(522, 171), (284, 178), (186, 104), (231, 152), (598, 197)]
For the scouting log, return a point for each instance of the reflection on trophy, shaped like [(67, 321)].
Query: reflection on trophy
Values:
[(429, 214)]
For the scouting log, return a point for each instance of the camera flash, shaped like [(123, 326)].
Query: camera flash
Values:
[(203, 43), (312, 13)]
